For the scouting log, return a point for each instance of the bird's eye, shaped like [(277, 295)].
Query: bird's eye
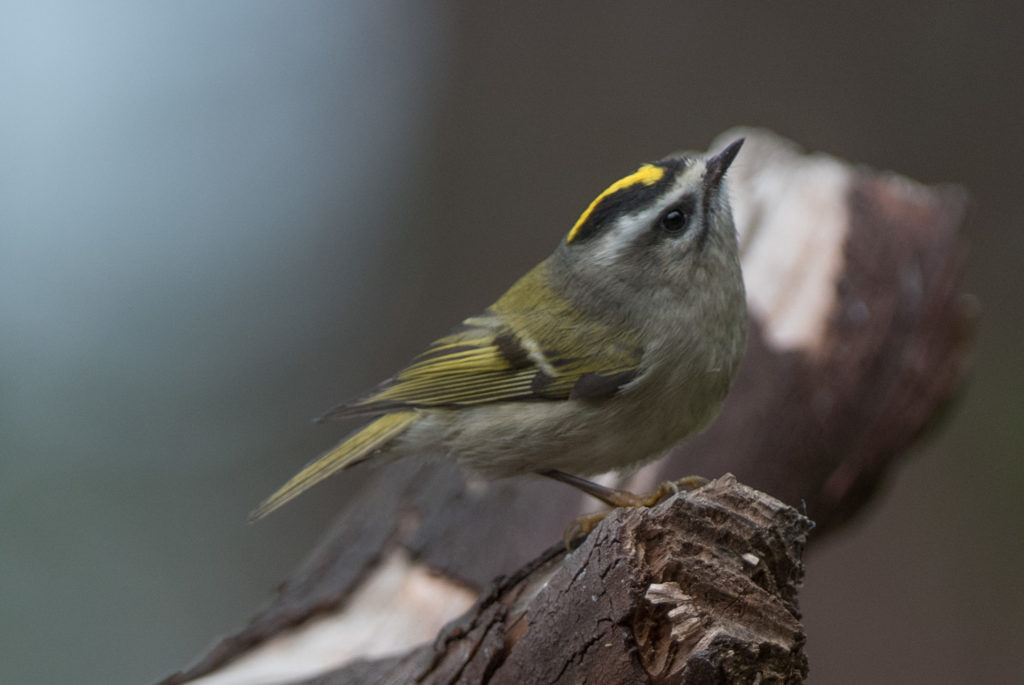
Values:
[(674, 220)]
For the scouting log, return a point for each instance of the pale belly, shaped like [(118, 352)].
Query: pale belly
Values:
[(578, 437)]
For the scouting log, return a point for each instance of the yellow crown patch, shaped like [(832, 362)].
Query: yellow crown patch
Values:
[(647, 175)]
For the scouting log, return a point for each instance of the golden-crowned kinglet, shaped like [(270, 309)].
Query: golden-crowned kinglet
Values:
[(617, 346)]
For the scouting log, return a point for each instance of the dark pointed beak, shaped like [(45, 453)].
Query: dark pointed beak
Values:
[(716, 166)]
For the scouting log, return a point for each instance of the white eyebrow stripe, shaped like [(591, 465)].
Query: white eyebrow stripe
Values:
[(625, 231), (627, 228)]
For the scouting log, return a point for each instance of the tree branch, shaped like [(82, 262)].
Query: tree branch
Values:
[(699, 589)]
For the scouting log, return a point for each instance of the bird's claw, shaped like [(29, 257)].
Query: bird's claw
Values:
[(583, 525)]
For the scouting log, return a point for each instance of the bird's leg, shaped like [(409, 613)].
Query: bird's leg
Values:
[(624, 498), (582, 525)]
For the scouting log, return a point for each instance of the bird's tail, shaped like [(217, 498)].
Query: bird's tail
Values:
[(351, 450)]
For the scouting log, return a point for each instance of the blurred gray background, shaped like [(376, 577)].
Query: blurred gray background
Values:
[(219, 219)]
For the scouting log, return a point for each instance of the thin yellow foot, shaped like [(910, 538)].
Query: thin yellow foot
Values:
[(624, 498), (582, 525), (667, 489)]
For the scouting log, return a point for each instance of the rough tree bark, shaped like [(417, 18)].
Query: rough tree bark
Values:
[(859, 338), (701, 588)]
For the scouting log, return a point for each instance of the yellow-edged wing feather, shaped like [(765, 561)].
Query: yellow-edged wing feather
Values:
[(520, 349)]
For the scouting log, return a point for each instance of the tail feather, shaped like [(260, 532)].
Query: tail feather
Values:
[(350, 451), (359, 410)]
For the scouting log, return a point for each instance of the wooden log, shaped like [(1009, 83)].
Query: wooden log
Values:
[(701, 588)]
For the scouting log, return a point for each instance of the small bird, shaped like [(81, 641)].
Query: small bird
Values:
[(617, 346)]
